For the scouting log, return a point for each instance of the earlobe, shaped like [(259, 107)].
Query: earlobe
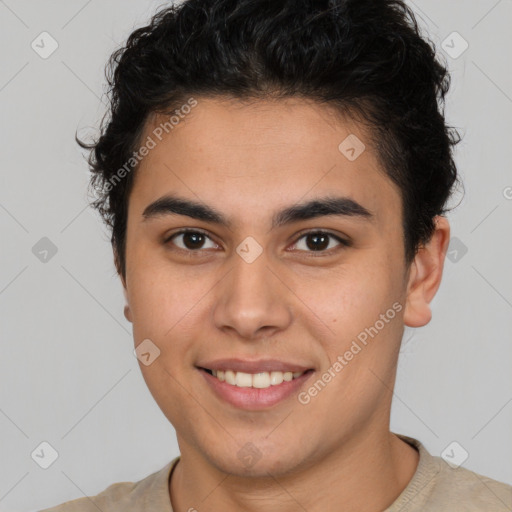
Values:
[(425, 275), (127, 313), (127, 310)]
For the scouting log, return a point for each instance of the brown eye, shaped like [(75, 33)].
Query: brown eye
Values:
[(319, 241), (191, 240)]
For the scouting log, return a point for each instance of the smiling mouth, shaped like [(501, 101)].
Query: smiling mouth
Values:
[(261, 380)]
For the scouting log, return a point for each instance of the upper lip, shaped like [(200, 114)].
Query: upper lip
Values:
[(246, 366)]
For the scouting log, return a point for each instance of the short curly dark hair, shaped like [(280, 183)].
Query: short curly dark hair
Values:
[(367, 58)]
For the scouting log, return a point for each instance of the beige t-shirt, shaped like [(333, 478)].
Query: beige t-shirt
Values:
[(434, 487)]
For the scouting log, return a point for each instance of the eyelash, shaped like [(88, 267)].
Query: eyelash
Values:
[(191, 252)]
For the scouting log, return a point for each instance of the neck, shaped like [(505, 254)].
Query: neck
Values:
[(368, 473)]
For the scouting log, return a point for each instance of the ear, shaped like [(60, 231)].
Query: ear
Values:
[(127, 311), (425, 275)]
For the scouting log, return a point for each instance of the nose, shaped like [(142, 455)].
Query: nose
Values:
[(252, 302)]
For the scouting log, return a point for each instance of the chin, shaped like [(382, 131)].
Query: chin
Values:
[(256, 461)]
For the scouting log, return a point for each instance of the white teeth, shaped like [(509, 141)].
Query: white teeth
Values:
[(229, 377), (276, 378), (260, 380), (243, 380)]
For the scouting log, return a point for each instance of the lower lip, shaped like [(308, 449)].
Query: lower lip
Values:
[(255, 398)]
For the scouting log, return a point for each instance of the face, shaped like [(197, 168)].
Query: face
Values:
[(266, 276)]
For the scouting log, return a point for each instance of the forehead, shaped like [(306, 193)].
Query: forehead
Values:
[(246, 156)]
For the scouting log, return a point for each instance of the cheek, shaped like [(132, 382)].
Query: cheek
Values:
[(363, 307), (335, 304), (349, 298), (163, 299)]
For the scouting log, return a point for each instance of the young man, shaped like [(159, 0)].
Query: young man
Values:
[(275, 175)]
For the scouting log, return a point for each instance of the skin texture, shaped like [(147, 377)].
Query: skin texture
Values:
[(292, 303)]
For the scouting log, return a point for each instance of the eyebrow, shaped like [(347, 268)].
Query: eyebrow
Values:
[(320, 207)]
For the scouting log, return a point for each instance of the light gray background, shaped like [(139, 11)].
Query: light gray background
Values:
[(68, 374)]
